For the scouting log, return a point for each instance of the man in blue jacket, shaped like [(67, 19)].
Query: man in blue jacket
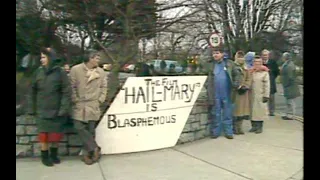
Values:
[(223, 78)]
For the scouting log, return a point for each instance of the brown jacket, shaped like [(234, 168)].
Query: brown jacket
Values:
[(242, 104), (87, 93)]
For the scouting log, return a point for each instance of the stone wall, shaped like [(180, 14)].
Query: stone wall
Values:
[(27, 144)]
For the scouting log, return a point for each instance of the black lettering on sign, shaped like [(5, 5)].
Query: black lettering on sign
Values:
[(148, 89), (156, 120), (112, 123), (133, 122), (165, 89), (162, 119), (126, 94), (141, 94), (153, 94), (150, 122), (154, 107), (184, 90), (173, 119)]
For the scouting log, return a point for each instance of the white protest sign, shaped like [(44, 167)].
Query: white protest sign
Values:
[(214, 40), (148, 113)]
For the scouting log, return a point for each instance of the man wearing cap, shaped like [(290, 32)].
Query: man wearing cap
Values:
[(223, 77)]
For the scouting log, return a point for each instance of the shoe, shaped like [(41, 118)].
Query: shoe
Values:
[(213, 137), (235, 126), (229, 136), (254, 126), (96, 154), (260, 127), (239, 127), (271, 114), (45, 159), (286, 118), (54, 155), (87, 160)]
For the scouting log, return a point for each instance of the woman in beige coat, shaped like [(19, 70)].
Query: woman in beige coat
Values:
[(260, 95), (241, 97)]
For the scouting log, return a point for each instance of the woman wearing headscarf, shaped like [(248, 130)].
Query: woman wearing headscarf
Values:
[(241, 97), (49, 100), (249, 57), (260, 91)]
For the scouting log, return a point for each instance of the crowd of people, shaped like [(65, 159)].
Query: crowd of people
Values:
[(244, 89), (237, 90)]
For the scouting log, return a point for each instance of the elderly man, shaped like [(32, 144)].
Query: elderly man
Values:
[(89, 90), (290, 87), (273, 74)]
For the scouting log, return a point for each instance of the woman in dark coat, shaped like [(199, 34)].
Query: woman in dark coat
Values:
[(49, 100)]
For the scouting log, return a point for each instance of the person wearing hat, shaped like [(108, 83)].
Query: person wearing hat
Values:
[(223, 79), (241, 95), (290, 86), (49, 100)]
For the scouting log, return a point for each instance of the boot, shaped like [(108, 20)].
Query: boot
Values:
[(96, 154), (260, 127), (254, 126), (240, 130), (54, 155), (234, 125), (87, 160), (45, 159)]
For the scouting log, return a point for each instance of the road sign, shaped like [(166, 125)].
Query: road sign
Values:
[(214, 40)]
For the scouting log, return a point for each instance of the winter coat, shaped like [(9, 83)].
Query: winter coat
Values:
[(50, 96), (288, 79), (260, 88), (88, 93), (273, 74), (208, 64), (242, 104)]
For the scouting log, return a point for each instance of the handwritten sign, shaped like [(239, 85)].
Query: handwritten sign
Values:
[(148, 113)]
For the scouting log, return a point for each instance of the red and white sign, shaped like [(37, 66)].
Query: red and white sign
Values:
[(215, 40)]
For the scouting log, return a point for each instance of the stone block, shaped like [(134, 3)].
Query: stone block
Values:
[(74, 151), (34, 138), (24, 139), (25, 120), (36, 149), (195, 126), (31, 130), (187, 128), (200, 134), (186, 137), (63, 150), (191, 119), (20, 130), (204, 118), (23, 150), (74, 140)]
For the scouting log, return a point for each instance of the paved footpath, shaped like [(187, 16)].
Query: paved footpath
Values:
[(276, 154)]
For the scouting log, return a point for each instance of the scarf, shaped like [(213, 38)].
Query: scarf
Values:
[(91, 73), (263, 68)]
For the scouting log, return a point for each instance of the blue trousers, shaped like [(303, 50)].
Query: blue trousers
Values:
[(221, 114)]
